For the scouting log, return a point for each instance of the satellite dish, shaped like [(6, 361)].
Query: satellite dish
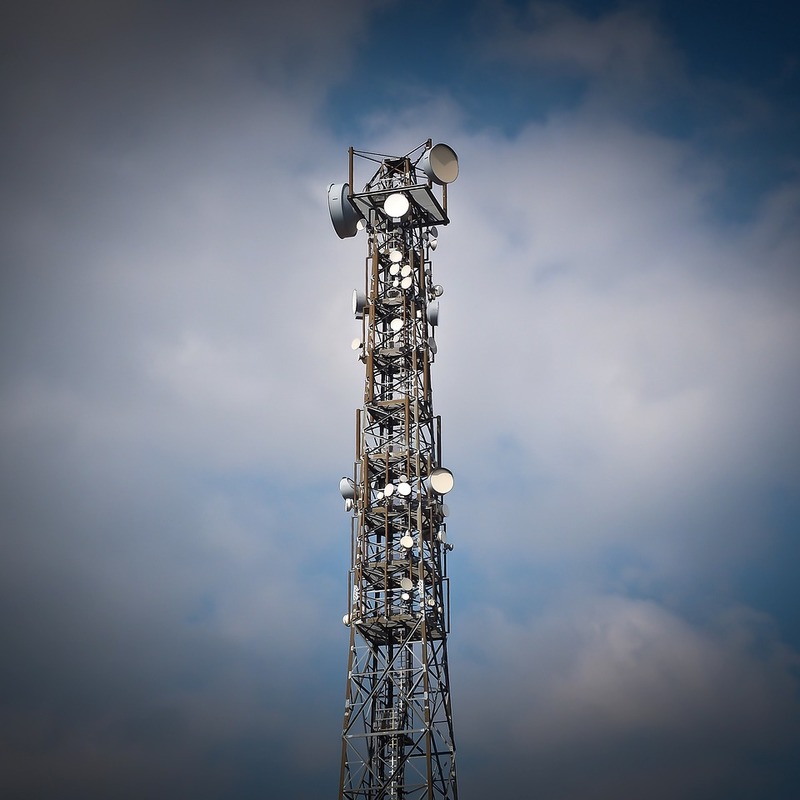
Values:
[(343, 216), (441, 480), (440, 164), (405, 271), (355, 344), (395, 256), (396, 205), (433, 243), (442, 536), (404, 489), (438, 290), (406, 584), (406, 282), (388, 490), (347, 488), (407, 541), (433, 312), (445, 510), (394, 269), (396, 324), (359, 303)]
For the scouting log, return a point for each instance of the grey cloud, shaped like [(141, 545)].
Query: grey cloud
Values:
[(616, 373), (616, 676), (624, 43), (151, 624)]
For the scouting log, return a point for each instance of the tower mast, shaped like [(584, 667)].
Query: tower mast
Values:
[(397, 733)]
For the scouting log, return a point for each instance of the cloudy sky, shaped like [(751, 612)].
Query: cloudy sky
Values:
[(618, 376)]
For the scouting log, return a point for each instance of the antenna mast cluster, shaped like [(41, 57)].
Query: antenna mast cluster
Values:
[(397, 736)]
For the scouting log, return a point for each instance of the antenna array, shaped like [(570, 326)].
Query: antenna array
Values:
[(397, 737)]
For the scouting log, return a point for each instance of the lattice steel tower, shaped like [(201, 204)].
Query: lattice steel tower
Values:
[(397, 737)]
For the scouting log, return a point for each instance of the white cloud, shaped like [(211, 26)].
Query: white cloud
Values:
[(597, 316)]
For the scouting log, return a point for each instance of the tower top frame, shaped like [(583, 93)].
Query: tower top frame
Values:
[(401, 190)]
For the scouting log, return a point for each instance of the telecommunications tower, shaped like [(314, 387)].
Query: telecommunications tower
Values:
[(397, 735)]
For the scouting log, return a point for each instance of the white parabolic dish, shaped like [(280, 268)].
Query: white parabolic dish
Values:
[(343, 216), (347, 488), (442, 480), (440, 164), (396, 205)]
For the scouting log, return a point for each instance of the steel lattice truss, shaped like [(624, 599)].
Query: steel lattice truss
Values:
[(397, 739)]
